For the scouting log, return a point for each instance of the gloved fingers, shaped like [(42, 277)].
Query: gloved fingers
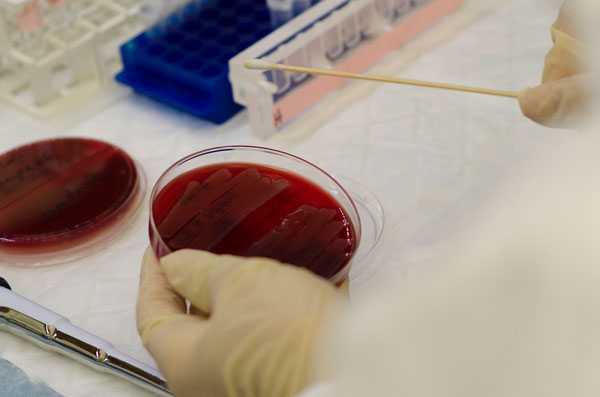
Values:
[(157, 301), (163, 324), (200, 276), (564, 59), (344, 288), (172, 345), (567, 17), (196, 312), (556, 104)]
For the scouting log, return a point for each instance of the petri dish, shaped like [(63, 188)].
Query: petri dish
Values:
[(61, 198), (257, 201)]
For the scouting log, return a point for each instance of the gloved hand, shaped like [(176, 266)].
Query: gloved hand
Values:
[(562, 96), (254, 329)]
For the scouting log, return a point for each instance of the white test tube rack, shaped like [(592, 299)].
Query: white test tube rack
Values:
[(55, 55), (346, 35)]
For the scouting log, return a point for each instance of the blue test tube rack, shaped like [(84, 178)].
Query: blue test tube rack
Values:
[(183, 62)]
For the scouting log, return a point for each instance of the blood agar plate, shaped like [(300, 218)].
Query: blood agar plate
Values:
[(255, 201), (255, 210), (60, 198)]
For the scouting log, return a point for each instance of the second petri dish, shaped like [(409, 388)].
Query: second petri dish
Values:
[(60, 198)]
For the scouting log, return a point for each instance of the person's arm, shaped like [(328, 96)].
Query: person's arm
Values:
[(513, 309)]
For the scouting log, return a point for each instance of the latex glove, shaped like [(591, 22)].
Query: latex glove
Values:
[(259, 331), (558, 104), (564, 59), (561, 98)]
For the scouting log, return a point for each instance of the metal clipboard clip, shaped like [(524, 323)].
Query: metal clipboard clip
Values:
[(53, 332)]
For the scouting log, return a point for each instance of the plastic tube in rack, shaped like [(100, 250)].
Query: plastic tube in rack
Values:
[(301, 5), (155, 10), (281, 11)]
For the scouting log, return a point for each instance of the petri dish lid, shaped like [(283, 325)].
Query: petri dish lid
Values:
[(60, 199)]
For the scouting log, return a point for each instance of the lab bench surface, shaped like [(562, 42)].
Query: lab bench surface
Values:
[(429, 156)]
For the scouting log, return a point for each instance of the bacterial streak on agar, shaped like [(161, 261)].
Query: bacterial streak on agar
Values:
[(254, 210)]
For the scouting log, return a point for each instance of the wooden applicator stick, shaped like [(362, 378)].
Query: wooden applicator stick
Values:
[(259, 64)]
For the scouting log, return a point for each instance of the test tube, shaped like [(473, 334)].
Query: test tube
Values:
[(281, 79), (155, 10), (152, 10), (385, 8), (281, 11), (4, 40), (300, 57), (402, 7), (315, 54), (333, 40), (368, 24), (351, 31), (301, 5)]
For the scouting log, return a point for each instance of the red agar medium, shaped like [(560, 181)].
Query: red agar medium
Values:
[(60, 193), (255, 210)]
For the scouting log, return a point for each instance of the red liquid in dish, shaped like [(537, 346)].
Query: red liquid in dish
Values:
[(255, 210), (55, 193)]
